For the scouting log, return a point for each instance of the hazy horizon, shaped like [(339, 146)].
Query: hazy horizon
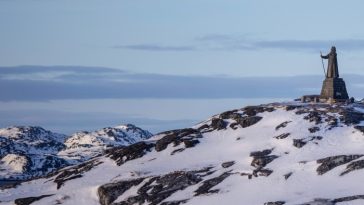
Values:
[(67, 99)]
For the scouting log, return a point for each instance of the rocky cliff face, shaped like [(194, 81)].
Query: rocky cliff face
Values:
[(274, 154), (27, 152)]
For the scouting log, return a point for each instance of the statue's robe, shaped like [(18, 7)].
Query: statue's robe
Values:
[(332, 67)]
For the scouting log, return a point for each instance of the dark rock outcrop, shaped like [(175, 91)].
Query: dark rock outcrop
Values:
[(247, 121), (302, 142), (334, 201), (228, 164), (275, 203), (262, 158), (351, 117), (329, 163), (282, 136), (319, 202), (282, 125), (292, 107), (262, 172), (108, 193), (299, 143), (206, 186), (360, 128), (30, 200), (253, 110), (353, 166), (218, 124), (188, 136), (348, 198), (313, 129), (123, 154), (247, 118), (154, 190), (174, 202), (286, 176), (314, 116), (190, 142), (261, 153), (74, 172)]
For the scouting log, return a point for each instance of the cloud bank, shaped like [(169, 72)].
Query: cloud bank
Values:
[(217, 42), (37, 83)]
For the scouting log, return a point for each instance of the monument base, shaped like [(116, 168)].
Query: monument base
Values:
[(335, 89)]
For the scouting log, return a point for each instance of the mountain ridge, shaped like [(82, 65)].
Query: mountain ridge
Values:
[(31, 151)]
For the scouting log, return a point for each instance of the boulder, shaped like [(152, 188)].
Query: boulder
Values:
[(299, 143), (228, 164)]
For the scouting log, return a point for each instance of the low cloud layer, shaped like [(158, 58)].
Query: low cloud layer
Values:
[(218, 42), (151, 47), (34, 83)]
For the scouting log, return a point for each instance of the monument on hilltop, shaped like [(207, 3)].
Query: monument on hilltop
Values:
[(333, 87)]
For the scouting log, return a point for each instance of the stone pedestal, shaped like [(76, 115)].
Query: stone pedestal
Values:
[(335, 89)]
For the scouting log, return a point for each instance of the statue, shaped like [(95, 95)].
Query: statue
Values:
[(332, 67), (333, 87)]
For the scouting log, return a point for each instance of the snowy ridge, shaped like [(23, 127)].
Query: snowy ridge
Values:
[(85, 145), (27, 152), (274, 154)]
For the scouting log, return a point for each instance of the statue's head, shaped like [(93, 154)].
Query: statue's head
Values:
[(333, 49)]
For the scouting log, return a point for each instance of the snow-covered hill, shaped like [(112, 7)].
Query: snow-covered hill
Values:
[(274, 154), (27, 152), (85, 145)]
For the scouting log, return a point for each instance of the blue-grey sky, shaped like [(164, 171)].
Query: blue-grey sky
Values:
[(190, 37), (162, 64)]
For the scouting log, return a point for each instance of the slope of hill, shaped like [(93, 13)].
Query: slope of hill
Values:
[(274, 154)]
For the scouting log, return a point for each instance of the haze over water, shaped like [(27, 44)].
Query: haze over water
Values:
[(156, 115)]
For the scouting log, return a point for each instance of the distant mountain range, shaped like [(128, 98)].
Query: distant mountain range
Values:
[(27, 152)]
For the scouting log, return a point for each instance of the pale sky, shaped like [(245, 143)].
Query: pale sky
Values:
[(72, 65), (189, 37)]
